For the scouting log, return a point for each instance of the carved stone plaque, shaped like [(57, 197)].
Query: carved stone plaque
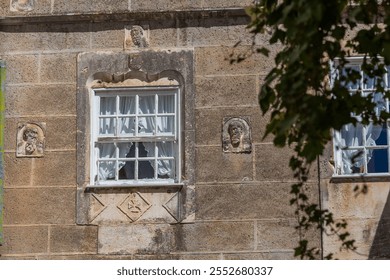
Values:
[(31, 139), (22, 5), (134, 206), (136, 36), (236, 135)]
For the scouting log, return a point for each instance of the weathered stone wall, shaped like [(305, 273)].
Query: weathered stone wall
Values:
[(242, 199)]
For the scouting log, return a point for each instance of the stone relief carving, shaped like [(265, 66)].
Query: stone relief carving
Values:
[(31, 139), (22, 5), (236, 135), (134, 206), (136, 36)]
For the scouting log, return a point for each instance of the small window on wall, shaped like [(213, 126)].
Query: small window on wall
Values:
[(363, 149), (135, 136)]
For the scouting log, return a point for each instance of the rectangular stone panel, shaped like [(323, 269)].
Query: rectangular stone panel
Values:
[(21, 69), (345, 202), (17, 171), (244, 201), (25, 240), (227, 3), (107, 35), (214, 32), (272, 163), (213, 165), (89, 6), (58, 68), (40, 100), (267, 255), (216, 236), (39, 206), (216, 61), (39, 37), (164, 5), (73, 239), (143, 239), (55, 168), (27, 8), (226, 91)]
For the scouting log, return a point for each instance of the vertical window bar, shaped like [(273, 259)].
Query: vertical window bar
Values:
[(136, 162), (155, 113), (155, 160), (365, 154), (116, 115), (136, 114)]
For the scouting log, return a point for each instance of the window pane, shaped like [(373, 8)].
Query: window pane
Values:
[(369, 83), (377, 161), (127, 105), (354, 73), (126, 171), (126, 150), (107, 170), (166, 103), (352, 161), (166, 124), (146, 125), (106, 150), (126, 125), (147, 104), (107, 105), (107, 126), (165, 149), (146, 149), (376, 134), (165, 169), (351, 135), (145, 170)]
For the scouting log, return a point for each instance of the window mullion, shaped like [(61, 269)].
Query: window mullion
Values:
[(136, 162)]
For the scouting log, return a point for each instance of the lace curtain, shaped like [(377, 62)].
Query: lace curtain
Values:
[(146, 126)]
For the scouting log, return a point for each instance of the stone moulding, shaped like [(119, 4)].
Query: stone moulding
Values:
[(123, 69)]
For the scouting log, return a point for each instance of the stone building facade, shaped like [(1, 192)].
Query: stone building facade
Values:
[(229, 197)]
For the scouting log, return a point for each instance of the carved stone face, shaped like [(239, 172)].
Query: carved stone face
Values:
[(136, 34), (30, 135), (235, 132)]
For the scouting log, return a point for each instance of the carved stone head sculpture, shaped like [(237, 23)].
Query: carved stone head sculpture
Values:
[(30, 139), (22, 5), (236, 136)]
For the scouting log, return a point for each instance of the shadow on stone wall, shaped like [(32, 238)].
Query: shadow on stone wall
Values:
[(380, 248)]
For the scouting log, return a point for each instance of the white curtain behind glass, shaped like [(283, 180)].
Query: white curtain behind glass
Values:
[(146, 125), (351, 135)]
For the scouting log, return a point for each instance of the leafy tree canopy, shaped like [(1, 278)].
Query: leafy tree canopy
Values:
[(310, 37)]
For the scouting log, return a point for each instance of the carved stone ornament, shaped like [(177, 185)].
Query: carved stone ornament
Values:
[(22, 5), (136, 36), (31, 139), (236, 135)]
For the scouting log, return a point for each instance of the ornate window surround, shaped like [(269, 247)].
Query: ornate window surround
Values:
[(146, 68)]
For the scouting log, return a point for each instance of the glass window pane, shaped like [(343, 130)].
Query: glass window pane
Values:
[(107, 170), (354, 74), (107, 126), (166, 125), (164, 149), (165, 169), (146, 149), (380, 101), (351, 135), (147, 104), (146, 125), (127, 125), (127, 105), (352, 161), (126, 170), (106, 150), (166, 103), (126, 150), (377, 135), (107, 105), (145, 169), (368, 83), (377, 161)]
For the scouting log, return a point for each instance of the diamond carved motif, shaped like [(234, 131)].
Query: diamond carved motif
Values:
[(134, 206), (172, 206), (97, 206)]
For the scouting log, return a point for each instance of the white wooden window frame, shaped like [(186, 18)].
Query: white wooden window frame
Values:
[(174, 137), (337, 151)]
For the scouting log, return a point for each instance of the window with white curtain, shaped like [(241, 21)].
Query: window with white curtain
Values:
[(135, 135), (363, 149)]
